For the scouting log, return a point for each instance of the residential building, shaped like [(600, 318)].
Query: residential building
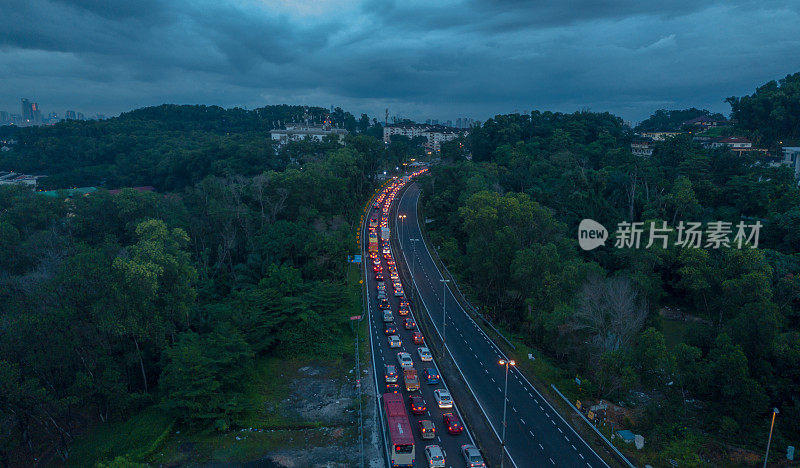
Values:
[(70, 115), (435, 134), (302, 131), (706, 122), (642, 147), (14, 178), (732, 142), (791, 159), (659, 136)]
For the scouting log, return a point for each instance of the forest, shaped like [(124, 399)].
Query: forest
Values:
[(117, 302), (702, 342)]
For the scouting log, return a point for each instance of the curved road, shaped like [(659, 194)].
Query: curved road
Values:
[(382, 354), (536, 435)]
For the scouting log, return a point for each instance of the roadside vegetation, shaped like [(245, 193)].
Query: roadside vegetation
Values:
[(155, 326), (694, 346)]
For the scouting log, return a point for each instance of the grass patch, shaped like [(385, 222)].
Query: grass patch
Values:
[(135, 438)]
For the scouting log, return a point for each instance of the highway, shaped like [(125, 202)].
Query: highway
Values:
[(536, 435), (382, 354)]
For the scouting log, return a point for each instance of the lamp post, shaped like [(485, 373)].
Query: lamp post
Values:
[(402, 225), (769, 440), (444, 309), (506, 363)]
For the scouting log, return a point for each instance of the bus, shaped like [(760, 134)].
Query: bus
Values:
[(401, 439), (373, 242)]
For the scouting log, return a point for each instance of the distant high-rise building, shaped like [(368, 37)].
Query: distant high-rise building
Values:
[(27, 110), (3, 117), (449, 123), (101, 116), (15, 119), (70, 115), (52, 116), (434, 122), (37, 113), (80, 116)]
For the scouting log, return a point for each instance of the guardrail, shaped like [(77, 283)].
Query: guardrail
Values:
[(608, 442)]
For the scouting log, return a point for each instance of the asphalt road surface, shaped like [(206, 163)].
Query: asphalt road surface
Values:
[(382, 354), (536, 435)]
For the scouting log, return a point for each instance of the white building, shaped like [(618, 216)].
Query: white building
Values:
[(435, 134), (791, 159), (302, 131), (642, 147), (732, 143), (14, 178)]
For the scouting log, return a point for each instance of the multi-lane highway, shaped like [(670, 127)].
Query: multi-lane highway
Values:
[(382, 354), (536, 435)]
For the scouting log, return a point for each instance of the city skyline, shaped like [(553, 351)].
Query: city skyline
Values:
[(469, 58)]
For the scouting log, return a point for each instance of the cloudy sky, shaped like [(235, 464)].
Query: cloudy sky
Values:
[(420, 58)]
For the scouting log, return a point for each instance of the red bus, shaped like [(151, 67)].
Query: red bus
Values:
[(401, 439)]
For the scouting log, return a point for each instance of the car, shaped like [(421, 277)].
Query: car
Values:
[(384, 304), (417, 404), (382, 297), (393, 275), (435, 456), (452, 423), (390, 373), (388, 317), (381, 287), (443, 398), (431, 376), (389, 261), (418, 338), (425, 354), (392, 388), (390, 330), (472, 456), (403, 311), (379, 276), (377, 268), (376, 261), (426, 429), (409, 323), (404, 304), (373, 255), (394, 341), (405, 361), (398, 293)]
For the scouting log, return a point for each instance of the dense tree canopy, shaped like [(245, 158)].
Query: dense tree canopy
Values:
[(505, 222)]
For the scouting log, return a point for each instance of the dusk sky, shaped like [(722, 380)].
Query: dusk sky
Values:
[(422, 59)]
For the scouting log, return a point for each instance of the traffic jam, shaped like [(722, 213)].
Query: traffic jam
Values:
[(409, 373)]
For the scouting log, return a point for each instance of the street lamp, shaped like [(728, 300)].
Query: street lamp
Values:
[(506, 363), (402, 225), (769, 440), (444, 310)]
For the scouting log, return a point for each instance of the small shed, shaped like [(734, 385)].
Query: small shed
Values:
[(627, 436)]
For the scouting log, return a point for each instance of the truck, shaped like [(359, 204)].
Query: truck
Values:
[(411, 379), (385, 233)]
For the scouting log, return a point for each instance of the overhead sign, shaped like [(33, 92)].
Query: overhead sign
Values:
[(354, 258), (355, 317)]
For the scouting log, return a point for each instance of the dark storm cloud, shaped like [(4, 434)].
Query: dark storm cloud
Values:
[(421, 58)]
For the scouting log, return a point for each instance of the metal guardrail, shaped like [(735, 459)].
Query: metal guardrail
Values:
[(608, 442)]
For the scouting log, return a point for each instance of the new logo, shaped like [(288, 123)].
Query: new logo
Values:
[(591, 234)]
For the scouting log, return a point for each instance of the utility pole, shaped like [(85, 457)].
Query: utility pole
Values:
[(444, 309), (511, 363)]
